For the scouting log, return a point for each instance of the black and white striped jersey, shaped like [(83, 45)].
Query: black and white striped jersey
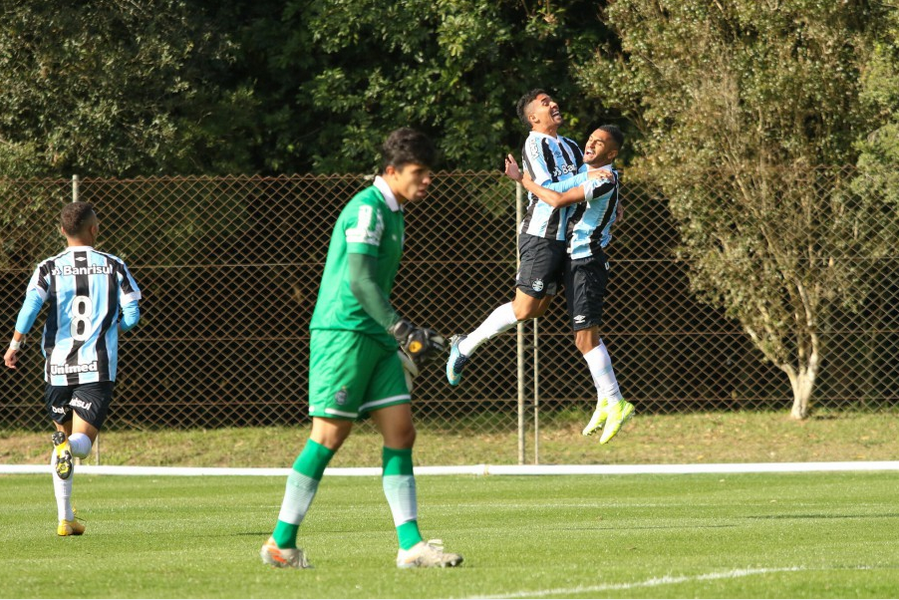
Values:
[(590, 222), (548, 160), (83, 290)]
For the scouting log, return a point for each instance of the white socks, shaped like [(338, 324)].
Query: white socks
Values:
[(62, 488), (603, 376), (500, 320), (503, 318), (79, 446)]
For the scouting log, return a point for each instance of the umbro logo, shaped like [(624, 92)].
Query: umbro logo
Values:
[(580, 319), (81, 259)]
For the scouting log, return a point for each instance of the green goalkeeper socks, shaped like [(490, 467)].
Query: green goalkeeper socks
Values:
[(399, 488), (302, 485)]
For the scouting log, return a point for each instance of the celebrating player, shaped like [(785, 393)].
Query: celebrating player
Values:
[(595, 203), (85, 290), (354, 366), (549, 159)]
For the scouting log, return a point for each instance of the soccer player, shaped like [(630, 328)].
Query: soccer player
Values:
[(550, 160), (354, 365), (595, 205), (84, 290)]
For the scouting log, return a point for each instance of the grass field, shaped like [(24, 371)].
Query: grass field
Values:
[(678, 438), (811, 535)]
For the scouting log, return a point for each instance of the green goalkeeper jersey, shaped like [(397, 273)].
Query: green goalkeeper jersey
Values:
[(372, 224)]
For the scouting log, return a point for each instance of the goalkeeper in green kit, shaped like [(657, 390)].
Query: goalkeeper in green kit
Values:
[(362, 354)]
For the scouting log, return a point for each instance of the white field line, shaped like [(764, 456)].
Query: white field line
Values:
[(723, 468), (654, 582)]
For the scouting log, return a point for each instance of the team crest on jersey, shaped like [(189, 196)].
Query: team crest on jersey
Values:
[(340, 397), (537, 286)]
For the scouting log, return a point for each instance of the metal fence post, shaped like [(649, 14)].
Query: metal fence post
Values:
[(519, 215), (536, 396)]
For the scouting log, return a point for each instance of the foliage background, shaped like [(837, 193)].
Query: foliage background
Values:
[(737, 111), (111, 88)]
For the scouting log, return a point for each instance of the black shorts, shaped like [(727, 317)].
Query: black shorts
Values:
[(542, 265), (90, 400), (585, 287)]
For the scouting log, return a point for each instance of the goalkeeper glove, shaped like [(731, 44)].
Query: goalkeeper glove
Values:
[(420, 344)]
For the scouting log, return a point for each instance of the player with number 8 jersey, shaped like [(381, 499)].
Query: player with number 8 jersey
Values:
[(85, 291)]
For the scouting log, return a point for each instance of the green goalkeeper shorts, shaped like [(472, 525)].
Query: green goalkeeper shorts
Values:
[(351, 374)]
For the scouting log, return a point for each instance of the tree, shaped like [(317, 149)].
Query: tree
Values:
[(745, 112), (111, 88), (333, 77), (879, 149)]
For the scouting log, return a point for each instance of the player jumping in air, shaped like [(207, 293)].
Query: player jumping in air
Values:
[(84, 291), (354, 366), (550, 158), (595, 203), (556, 163)]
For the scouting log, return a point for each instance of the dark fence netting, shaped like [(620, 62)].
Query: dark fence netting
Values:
[(230, 267)]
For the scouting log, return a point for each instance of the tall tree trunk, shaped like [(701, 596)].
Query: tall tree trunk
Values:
[(802, 380)]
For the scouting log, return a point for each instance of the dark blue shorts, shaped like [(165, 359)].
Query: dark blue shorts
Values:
[(585, 288), (542, 265), (90, 400)]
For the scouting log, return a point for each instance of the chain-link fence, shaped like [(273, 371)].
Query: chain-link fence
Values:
[(230, 267)]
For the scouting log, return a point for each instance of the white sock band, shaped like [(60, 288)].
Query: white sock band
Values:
[(297, 498), (603, 376), (400, 493), (500, 320)]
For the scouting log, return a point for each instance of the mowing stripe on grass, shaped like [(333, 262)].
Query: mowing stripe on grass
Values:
[(484, 469), (654, 582)]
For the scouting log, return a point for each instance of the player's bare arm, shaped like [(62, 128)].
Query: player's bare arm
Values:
[(553, 198)]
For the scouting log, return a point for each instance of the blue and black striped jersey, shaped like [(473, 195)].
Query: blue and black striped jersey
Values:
[(84, 290), (590, 222), (548, 160)]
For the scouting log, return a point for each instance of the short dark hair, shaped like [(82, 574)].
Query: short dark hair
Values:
[(522, 106), (76, 217), (405, 146), (615, 132)]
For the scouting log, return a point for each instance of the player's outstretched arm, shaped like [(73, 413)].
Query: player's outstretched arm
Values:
[(553, 198)]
